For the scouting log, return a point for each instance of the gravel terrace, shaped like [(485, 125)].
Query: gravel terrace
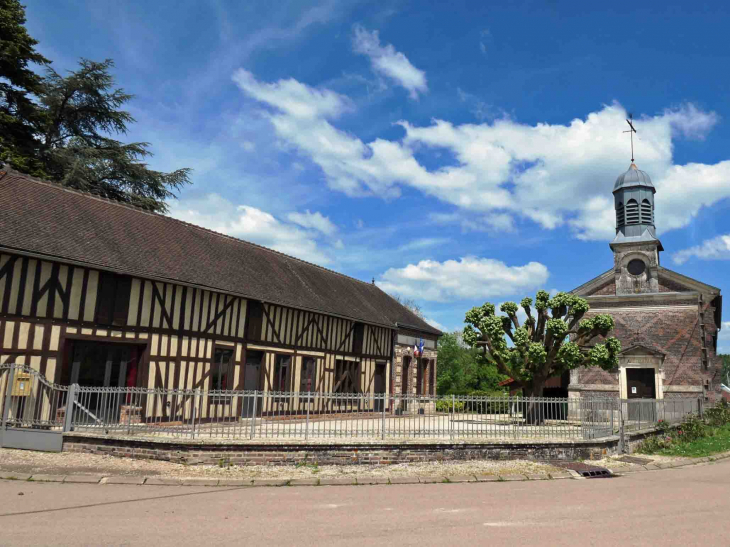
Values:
[(69, 463)]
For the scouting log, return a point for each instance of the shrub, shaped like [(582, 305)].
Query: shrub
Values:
[(718, 415), (692, 429), (497, 404), (447, 405), (651, 445)]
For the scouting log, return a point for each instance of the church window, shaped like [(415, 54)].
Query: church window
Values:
[(646, 212), (620, 215), (632, 212), (636, 267)]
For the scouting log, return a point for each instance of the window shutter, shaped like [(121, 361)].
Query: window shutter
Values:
[(646, 212), (632, 212)]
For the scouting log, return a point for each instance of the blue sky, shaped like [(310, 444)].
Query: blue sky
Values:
[(455, 152)]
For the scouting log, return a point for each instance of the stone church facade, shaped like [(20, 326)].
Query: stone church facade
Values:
[(667, 323)]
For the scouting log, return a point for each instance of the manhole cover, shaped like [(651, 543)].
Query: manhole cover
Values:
[(632, 459), (588, 471)]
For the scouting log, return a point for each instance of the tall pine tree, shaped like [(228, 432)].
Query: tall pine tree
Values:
[(76, 144), (19, 115), (63, 127)]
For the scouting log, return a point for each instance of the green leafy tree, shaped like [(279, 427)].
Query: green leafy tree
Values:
[(554, 341), (19, 114), (76, 147), (464, 370), (725, 376)]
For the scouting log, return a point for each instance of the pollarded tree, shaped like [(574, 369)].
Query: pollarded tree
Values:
[(555, 341)]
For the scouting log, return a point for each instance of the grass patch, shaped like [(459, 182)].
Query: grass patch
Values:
[(696, 437), (717, 440)]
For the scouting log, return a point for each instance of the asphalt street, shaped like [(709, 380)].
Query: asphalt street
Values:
[(687, 506)]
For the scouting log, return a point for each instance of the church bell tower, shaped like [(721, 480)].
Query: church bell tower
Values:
[(635, 247)]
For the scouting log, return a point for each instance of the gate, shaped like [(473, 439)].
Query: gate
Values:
[(33, 410)]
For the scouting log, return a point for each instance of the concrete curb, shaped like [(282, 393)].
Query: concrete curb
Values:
[(337, 481)]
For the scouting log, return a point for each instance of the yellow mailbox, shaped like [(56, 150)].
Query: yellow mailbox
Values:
[(21, 385)]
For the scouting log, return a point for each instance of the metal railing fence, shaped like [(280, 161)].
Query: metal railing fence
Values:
[(202, 414), (642, 414), (28, 400)]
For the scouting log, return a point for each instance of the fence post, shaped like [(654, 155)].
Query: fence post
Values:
[(70, 403), (253, 416), (453, 412), (130, 407), (621, 437), (8, 396), (382, 420), (192, 414), (306, 431)]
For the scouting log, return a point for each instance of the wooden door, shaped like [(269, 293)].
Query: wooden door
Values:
[(379, 387), (640, 385)]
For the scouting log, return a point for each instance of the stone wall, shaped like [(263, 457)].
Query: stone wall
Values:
[(364, 454)]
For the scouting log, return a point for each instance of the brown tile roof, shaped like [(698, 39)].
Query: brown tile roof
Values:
[(47, 219)]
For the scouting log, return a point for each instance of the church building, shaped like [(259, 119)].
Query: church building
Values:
[(667, 323)]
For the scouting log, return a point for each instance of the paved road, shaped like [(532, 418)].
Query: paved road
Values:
[(688, 506)]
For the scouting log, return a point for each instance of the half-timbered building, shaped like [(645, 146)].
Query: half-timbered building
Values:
[(100, 293)]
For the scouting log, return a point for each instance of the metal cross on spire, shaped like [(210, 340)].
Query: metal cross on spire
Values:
[(631, 131)]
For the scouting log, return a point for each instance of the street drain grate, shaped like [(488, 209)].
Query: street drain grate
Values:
[(633, 459), (588, 471)]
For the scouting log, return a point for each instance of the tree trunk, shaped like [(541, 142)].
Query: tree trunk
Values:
[(534, 412)]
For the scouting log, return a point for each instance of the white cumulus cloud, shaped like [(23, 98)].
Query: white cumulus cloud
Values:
[(315, 221), (717, 248), (292, 97), (251, 224), (435, 324), (691, 122), (385, 60), (466, 278), (552, 174)]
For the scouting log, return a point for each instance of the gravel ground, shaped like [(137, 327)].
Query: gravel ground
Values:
[(68, 463)]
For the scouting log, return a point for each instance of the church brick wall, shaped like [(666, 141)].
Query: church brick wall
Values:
[(607, 289), (596, 376), (665, 285), (640, 305), (672, 331)]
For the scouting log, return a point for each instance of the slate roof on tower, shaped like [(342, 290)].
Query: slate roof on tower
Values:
[(633, 177), (51, 221)]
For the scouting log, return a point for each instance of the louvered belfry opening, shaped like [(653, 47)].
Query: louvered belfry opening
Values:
[(632, 212), (619, 215), (646, 212)]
